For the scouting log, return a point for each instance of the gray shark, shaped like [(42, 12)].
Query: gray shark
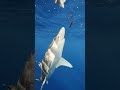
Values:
[(60, 2), (53, 57)]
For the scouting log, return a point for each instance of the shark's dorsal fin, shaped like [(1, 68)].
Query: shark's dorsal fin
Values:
[(63, 62)]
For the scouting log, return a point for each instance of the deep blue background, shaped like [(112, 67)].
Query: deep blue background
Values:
[(16, 38), (102, 45), (102, 41), (49, 18)]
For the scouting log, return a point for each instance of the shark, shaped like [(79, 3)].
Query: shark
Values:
[(60, 2), (53, 57)]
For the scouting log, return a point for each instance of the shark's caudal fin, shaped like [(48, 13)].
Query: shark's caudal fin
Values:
[(43, 83), (63, 62)]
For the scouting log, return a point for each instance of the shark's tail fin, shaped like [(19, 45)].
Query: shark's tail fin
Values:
[(43, 83)]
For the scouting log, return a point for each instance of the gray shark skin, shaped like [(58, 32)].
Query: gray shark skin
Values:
[(60, 2), (26, 81), (53, 57)]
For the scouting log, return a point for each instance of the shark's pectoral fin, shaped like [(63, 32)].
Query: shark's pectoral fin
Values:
[(63, 62)]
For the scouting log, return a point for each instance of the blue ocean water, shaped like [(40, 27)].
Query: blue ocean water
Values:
[(49, 18)]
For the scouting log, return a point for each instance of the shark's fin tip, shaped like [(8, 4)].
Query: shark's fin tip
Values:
[(63, 62)]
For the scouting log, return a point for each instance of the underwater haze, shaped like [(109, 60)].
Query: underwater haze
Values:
[(49, 18)]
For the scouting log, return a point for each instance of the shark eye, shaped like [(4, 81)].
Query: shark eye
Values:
[(54, 38)]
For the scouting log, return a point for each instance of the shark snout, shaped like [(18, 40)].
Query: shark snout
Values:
[(60, 36), (62, 32)]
